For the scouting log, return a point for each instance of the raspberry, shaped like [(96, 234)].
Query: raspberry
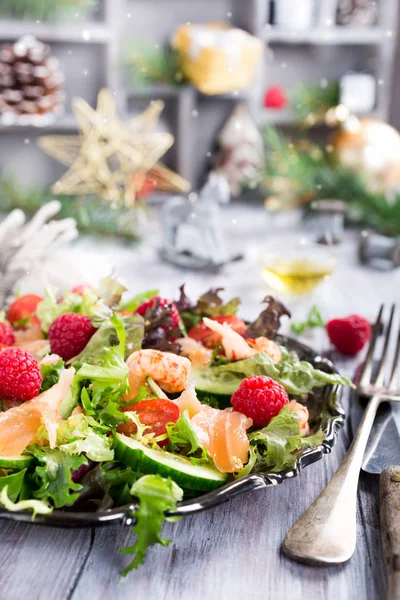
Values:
[(349, 335), (260, 398), (69, 334), (22, 309), (141, 310), (20, 376), (7, 336)]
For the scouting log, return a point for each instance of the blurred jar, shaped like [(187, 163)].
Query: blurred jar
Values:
[(297, 15)]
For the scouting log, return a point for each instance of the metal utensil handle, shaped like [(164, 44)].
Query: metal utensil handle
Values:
[(326, 533), (389, 502)]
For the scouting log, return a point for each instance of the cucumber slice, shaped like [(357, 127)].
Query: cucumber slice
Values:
[(147, 460), (205, 381), (16, 462), (214, 400)]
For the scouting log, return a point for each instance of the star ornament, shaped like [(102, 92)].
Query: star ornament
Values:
[(110, 158)]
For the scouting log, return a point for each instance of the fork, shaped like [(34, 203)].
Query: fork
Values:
[(326, 533)]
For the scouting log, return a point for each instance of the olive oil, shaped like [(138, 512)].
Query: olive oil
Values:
[(295, 275)]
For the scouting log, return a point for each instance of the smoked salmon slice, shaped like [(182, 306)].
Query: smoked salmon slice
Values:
[(188, 400), (19, 425), (223, 434)]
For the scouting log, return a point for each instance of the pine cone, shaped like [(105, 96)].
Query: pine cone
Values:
[(30, 83)]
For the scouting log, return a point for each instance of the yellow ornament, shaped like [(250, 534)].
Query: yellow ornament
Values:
[(110, 158), (371, 148), (215, 57)]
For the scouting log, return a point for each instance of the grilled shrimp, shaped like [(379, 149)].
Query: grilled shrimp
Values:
[(302, 413), (196, 352), (234, 344), (169, 371), (236, 347), (263, 344)]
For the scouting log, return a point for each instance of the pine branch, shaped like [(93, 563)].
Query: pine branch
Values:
[(44, 9), (91, 214), (310, 174), (314, 101), (148, 65)]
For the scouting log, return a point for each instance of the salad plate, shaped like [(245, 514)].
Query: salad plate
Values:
[(326, 412), (150, 409)]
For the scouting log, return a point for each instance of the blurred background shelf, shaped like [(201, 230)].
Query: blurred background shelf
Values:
[(90, 52), (327, 35), (65, 123), (78, 32)]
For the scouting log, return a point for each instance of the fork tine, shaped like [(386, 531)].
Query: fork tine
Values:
[(366, 374), (393, 383), (380, 371)]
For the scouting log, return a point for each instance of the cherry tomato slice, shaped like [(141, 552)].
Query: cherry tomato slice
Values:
[(201, 333), (22, 308), (155, 413)]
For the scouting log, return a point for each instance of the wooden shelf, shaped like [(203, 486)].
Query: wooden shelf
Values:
[(162, 91), (66, 123), (171, 91), (327, 35), (287, 117), (79, 32)]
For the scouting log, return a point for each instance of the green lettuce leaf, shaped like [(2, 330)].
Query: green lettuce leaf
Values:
[(110, 290), (81, 434), (111, 375), (53, 476), (95, 446), (297, 376), (118, 481), (106, 382), (51, 374), (106, 337), (182, 435), (156, 495), (314, 319), (273, 447), (38, 507), (14, 483)]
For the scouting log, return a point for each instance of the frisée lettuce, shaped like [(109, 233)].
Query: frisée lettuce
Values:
[(274, 446)]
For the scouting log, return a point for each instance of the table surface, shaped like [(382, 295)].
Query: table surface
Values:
[(233, 551)]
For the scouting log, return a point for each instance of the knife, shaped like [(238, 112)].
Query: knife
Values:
[(382, 452)]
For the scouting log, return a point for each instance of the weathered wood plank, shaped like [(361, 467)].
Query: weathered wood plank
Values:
[(39, 562)]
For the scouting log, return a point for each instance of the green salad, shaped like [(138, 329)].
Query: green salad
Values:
[(146, 401)]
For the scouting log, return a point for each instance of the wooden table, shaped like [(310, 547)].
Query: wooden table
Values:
[(234, 551)]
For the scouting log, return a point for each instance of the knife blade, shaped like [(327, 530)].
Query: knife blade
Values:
[(383, 448), (382, 452)]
